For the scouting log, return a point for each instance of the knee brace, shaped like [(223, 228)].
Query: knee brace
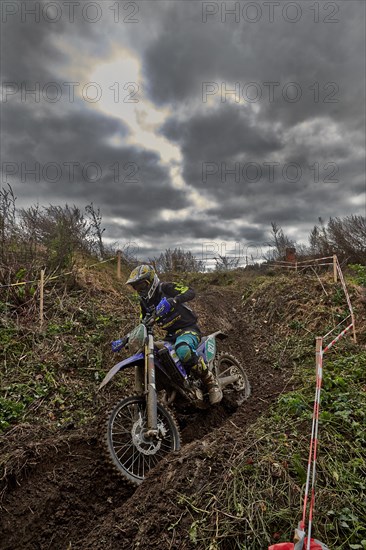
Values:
[(185, 353)]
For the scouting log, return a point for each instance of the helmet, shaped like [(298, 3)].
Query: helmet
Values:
[(144, 280)]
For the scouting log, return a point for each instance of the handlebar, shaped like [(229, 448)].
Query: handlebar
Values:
[(117, 345), (149, 318), (148, 321)]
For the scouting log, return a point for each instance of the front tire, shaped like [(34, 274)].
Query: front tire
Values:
[(236, 393), (133, 454)]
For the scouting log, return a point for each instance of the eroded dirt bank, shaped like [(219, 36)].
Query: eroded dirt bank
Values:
[(65, 497)]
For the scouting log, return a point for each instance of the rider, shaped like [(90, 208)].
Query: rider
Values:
[(177, 319)]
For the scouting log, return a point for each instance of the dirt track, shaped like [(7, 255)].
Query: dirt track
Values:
[(67, 498)]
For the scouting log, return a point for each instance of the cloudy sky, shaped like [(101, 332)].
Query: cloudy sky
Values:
[(189, 124)]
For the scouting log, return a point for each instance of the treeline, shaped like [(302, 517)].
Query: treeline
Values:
[(38, 237), (55, 236), (345, 237), (49, 235)]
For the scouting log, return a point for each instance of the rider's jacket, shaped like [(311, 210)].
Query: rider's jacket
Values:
[(180, 317)]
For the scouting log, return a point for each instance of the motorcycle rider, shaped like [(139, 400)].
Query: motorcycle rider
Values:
[(177, 319)]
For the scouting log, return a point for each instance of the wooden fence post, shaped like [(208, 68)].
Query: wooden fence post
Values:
[(335, 271), (119, 253), (319, 348), (41, 287), (353, 328)]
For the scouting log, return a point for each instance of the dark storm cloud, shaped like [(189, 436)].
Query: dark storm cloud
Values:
[(191, 228), (315, 177), (27, 53), (29, 49), (57, 133), (222, 134), (125, 181), (189, 52), (325, 61), (179, 53), (289, 204), (72, 138), (212, 142), (250, 243)]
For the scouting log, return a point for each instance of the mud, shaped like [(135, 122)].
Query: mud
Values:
[(66, 497)]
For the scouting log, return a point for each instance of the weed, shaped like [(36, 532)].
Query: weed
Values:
[(9, 412), (258, 501), (360, 273)]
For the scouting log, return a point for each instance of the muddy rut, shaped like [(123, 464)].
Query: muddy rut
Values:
[(67, 498)]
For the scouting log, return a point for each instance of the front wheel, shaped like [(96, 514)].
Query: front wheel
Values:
[(237, 392), (128, 448)]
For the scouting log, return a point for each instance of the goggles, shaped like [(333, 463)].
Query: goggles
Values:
[(140, 286)]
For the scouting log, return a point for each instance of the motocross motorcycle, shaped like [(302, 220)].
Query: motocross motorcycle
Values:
[(142, 429)]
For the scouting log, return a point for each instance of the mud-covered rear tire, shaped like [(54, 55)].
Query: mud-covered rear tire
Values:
[(234, 394), (130, 452)]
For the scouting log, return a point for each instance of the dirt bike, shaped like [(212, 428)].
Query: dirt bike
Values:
[(141, 429)]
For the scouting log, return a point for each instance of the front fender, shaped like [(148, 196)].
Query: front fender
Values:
[(121, 365)]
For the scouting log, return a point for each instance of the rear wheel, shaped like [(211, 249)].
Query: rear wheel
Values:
[(129, 449), (237, 392)]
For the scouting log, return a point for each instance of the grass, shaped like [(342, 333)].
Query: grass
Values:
[(258, 502), (358, 274), (49, 380), (50, 376)]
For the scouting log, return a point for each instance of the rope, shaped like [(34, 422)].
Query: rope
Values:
[(294, 266), (340, 273), (56, 276), (313, 444), (19, 284), (305, 261), (338, 337), (103, 262), (311, 469), (333, 329), (316, 259)]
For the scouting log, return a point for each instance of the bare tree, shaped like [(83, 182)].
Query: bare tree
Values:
[(345, 237), (177, 260), (8, 226), (58, 232), (225, 263), (319, 241), (348, 238), (279, 242), (95, 220)]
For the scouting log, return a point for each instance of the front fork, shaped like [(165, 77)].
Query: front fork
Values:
[(152, 400), (145, 379)]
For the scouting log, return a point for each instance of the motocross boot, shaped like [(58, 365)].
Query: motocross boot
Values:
[(209, 380)]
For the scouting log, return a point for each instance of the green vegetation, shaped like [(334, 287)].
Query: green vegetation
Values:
[(360, 273), (49, 379), (257, 501)]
